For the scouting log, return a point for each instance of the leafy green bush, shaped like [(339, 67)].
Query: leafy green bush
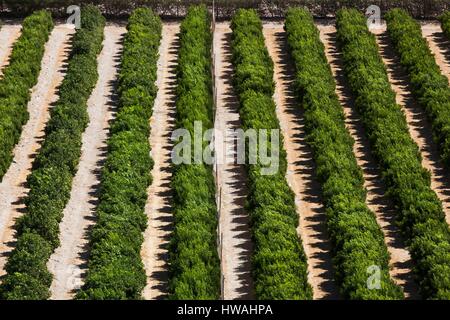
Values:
[(445, 23), (116, 270), (419, 211), (18, 78), (279, 263), (51, 179), (194, 262), (357, 238), (430, 86)]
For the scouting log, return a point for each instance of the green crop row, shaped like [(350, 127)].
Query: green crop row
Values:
[(194, 263), (430, 86), (445, 23), (51, 179), (357, 238), (279, 263), (116, 270), (18, 78), (419, 211)]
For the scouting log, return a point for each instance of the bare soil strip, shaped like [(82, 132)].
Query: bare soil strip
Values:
[(439, 45), (68, 262), (13, 187), (419, 126), (377, 201), (235, 234), (160, 219), (9, 33), (301, 170)]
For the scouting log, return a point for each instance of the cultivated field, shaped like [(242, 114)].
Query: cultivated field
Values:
[(94, 206)]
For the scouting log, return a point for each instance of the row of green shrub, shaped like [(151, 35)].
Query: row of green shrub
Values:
[(279, 263), (116, 270), (445, 23), (430, 86), (357, 238), (53, 170), (194, 263), (419, 211), (18, 78)]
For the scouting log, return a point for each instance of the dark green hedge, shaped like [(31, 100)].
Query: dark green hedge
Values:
[(194, 263), (18, 78), (419, 212), (51, 179), (116, 270), (226, 8), (279, 263), (357, 238), (445, 23), (430, 86)]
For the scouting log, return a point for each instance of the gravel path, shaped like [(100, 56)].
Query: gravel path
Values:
[(419, 127), (68, 263), (9, 33), (12, 188), (157, 236), (237, 247), (439, 45), (376, 200), (301, 171)]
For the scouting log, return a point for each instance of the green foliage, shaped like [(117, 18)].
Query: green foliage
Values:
[(357, 238), (430, 87), (445, 23), (18, 78), (225, 8), (51, 179), (419, 211), (28, 5), (116, 270), (27, 275), (279, 263), (194, 262)]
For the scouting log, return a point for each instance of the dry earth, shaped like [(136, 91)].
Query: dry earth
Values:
[(160, 220), (68, 263), (234, 229), (439, 45), (8, 36)]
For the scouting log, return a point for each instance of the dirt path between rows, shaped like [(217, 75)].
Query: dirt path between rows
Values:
[(418, 124), (8, 35), (234, 227), (439, 45), (68, 264), (13, 187), (301, 169), (154, 251), (377, 201)]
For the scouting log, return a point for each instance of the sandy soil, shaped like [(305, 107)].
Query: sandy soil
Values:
[(12, 188), (160, 220), (419, 127), (439, 45), (8, 35), (68, 263), (231, 178), (301, 170), (377, 201)]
